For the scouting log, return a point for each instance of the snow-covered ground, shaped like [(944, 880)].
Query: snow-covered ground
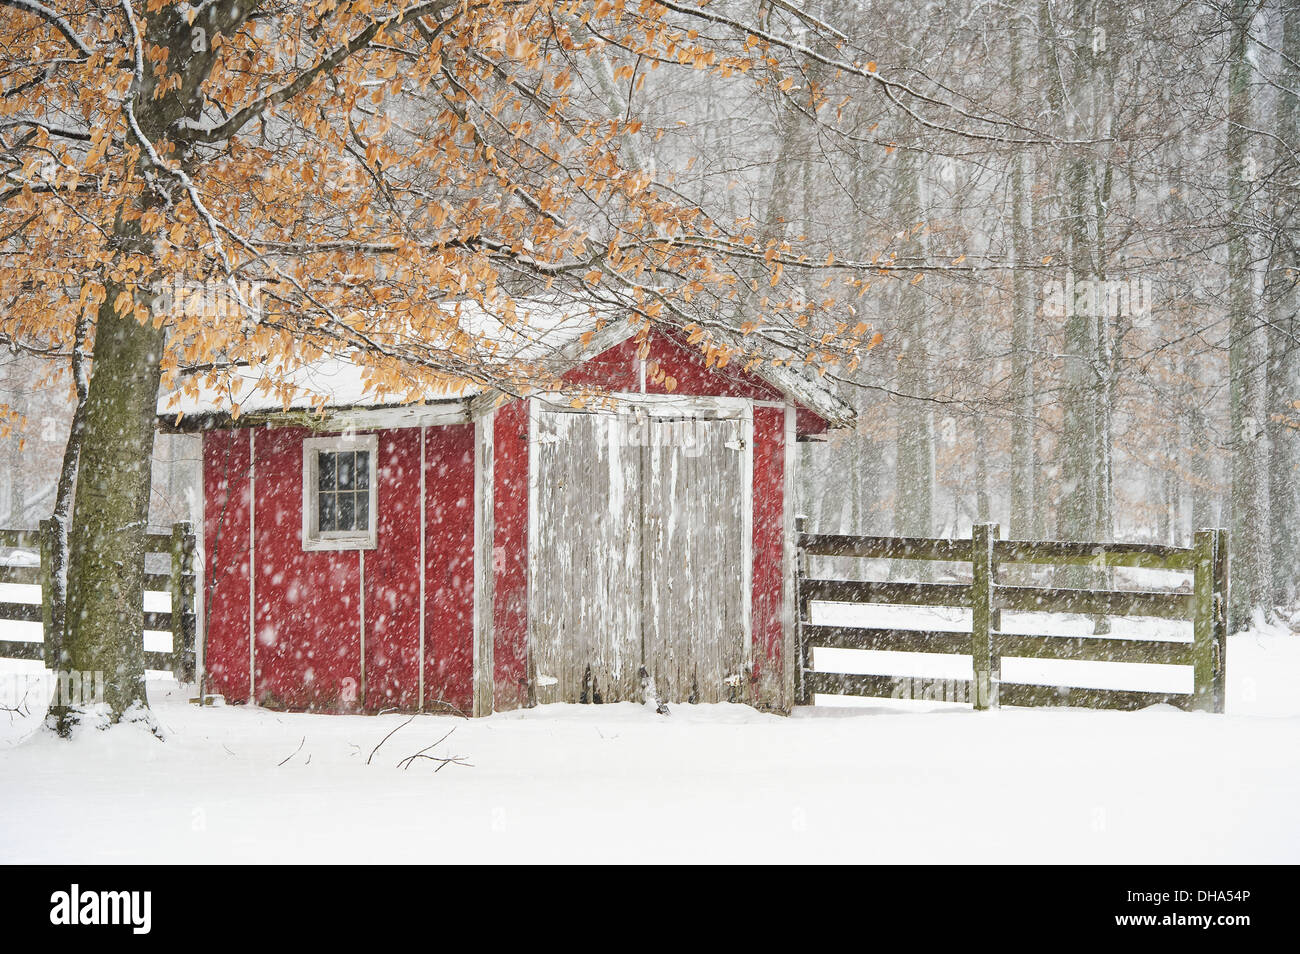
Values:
[(887, 782)]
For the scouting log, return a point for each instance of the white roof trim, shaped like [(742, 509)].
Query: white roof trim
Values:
[(336, 387)]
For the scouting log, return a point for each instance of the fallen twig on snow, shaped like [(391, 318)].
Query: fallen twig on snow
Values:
[(406, 763), (386, 738), (295, 751)]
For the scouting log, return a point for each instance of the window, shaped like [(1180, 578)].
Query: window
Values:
[(339, 492)]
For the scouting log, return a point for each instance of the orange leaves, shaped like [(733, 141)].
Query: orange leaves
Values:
[(411, 176)]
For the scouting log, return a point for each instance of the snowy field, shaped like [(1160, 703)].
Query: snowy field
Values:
[(884, 782)]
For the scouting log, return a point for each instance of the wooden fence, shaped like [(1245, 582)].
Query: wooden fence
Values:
[(178, 545), (1205, 605)]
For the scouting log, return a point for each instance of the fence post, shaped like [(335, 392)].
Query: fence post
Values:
[(1220, 619), (50, 645), (1203, 625), (984, 692), (182, 597), (802, 690)]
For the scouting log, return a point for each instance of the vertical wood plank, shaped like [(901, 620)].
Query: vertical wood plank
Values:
[(790, 602), (177, 554), (983, 688), (995, 624), (50, 646), (746, 674), (803, 652), (1220, 606), (1203, 628), (182, 601), (422, 571), (483, 540), (252, 565), (189, 603)]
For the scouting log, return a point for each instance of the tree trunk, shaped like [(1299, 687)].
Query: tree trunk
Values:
[(914, 469), (65, 493), (1284, 357), (1247, 359), (105, 603), (1024, 460)]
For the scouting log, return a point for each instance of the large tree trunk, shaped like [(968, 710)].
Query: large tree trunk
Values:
[(103, 632), (1247, 358), (914, 468), (1024, 414), (1284, 357), (106, 599), (61, 518)]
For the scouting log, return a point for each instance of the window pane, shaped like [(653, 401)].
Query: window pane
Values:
[(363, 508), (363, 469), (325, 467), (345, 470), (327, 519), (345, 512)]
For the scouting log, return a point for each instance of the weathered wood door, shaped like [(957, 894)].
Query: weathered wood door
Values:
[(638, 557), (692, 574)]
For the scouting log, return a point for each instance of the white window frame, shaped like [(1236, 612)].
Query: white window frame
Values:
[(312, 537)]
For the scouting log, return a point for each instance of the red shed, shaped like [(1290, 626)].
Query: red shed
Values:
[(477, 553)]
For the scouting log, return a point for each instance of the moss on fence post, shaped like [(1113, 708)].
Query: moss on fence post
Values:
[(802, 653), (182, 601), (51, 640), (1220, 617), (984, 692), (1203, 628)]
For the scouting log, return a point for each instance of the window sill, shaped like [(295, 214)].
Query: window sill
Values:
[(354, 543)]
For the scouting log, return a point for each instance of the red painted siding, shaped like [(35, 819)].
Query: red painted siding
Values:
[(392, 578), (225, 536), (510, 556), (807, 423), (614, 369), (769, 550), (449, 567), (308, 605), (690, 370)]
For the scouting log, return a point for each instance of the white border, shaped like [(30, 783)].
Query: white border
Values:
[(252, 565), (312, 540), (484, 539), (705, 407), (424, 565), (361, 619), (788, 626), (747, 542), (530, 539)]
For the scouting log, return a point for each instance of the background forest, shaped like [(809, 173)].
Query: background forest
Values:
[(1088, 327)]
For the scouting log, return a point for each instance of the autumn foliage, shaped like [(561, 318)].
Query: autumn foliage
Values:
[(343, 173)]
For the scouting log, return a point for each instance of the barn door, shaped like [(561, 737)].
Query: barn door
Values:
[(638, 557), (693, 579), (586, 599)]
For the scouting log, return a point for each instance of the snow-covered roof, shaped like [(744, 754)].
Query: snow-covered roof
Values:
[(542, 331)]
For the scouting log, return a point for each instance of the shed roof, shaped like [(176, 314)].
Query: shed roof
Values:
[(561, 335)]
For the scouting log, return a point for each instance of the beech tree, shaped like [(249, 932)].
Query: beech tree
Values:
[(345, 171)]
